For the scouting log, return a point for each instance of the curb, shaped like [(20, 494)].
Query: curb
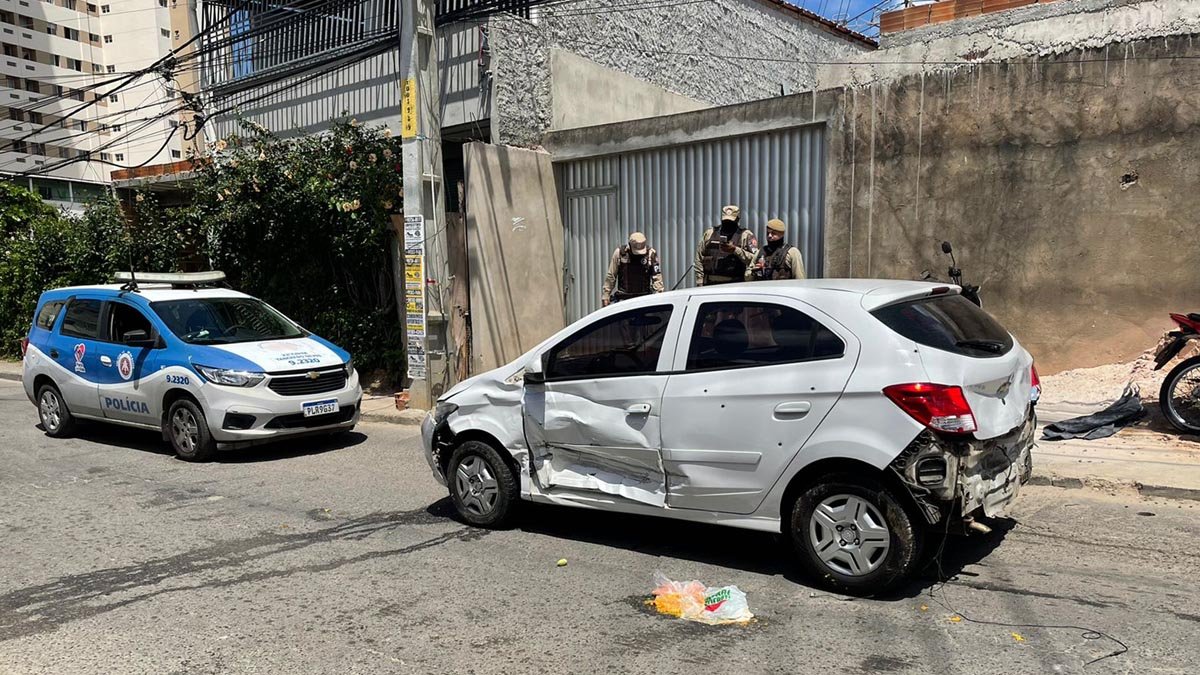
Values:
[(398, 420), (14, 377), (1159, 491)]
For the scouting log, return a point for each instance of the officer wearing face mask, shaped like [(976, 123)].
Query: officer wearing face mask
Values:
[(633, 271), (725, 251), (778, 259)]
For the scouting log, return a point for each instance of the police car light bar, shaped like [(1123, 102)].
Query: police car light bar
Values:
[(176, 279)]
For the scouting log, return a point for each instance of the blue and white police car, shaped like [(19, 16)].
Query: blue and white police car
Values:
[(207, 365)]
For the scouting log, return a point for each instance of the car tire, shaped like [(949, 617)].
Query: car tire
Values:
[(1166, 397), (886, 545), (187, 430), (482, 485), (56, 418)]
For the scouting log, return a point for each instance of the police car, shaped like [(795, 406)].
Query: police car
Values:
[(206, 365)]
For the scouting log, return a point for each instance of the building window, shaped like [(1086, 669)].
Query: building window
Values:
[(56, 59), (116, 127), (19, 146), (91, 8), (175, 154), (111, 69), (69, 4), (28, 54), (27, 22), (96, 38), (108, 39), (71, 33), (83, 125), (16, 114), (77, 94), (51, 29), (165, 33), (104, 156), (75, 64), (10, 50), (6, 17), (120, 157), (35, 117), (106, 8), (112, 98), (37, 148), (96, 68), (162, 3), (32, 85), (14, 82)]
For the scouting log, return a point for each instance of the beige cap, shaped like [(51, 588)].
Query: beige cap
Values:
[(776, 225), (731, 212), (637, 242)]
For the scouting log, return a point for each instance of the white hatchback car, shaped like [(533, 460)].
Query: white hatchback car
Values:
[(852, 416)]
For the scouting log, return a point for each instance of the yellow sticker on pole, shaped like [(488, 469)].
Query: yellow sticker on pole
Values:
[(408, 109)]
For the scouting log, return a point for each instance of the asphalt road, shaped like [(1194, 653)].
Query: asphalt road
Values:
[(344, 558)]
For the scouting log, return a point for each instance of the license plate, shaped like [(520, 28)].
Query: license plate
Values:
[(320, 407)]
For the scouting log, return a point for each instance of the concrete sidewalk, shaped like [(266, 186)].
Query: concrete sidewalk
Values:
[(1154, 463)]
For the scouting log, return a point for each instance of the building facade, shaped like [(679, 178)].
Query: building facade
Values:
[(62, 55)]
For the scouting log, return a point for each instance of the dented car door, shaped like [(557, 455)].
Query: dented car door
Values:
[(593, 425)]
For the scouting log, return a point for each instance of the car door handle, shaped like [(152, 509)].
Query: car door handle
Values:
[(796, 408), (638, 409), (105, 361)]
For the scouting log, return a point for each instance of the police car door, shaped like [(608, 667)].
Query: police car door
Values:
[(128, 365), (593, 424), (73, 347)]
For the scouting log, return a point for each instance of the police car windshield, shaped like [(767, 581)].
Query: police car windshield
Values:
[(219, 321)]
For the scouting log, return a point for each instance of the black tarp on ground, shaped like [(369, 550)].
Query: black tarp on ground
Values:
[(1125, 410)]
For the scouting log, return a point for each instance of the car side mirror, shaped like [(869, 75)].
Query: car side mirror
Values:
[(535, 372), (138, 338), (946, 247)]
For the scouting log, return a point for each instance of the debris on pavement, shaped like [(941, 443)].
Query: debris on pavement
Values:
[(1126, 410), (693, 601), (562, 562)]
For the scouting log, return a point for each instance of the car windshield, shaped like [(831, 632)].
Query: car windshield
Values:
[(950, 323), (218, 321)]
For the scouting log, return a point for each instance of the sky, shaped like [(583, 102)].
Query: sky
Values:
[(840, 9)]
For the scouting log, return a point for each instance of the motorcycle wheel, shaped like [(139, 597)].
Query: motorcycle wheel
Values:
[(1179, 396)]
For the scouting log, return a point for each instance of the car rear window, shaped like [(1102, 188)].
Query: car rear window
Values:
[(49, 312), (950, 323)]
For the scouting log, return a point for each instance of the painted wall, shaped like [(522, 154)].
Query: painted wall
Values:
[(681, 47), (515, 244), (584, 93)]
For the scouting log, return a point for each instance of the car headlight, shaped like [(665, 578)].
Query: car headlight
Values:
[(229, 378), (350, 367), (443, 410)]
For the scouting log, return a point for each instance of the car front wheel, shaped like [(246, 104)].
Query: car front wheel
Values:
[(188, 432), (854, 535), (482, 486)]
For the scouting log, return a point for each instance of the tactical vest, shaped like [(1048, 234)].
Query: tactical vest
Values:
[(775, 266), (633, 278), (716, 262)]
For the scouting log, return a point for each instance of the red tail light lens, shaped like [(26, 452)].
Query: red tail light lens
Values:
[(938, 406), (1036, 381), (24, 346)]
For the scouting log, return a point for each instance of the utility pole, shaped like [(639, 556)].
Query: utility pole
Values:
[(424, 236)]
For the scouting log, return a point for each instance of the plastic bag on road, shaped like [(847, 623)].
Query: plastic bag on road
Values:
[(693, 601)]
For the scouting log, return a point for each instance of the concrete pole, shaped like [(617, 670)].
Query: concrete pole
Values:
[(424, 235)]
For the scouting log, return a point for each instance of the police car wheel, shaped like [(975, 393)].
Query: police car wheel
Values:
[(482, 486), (56, 418), (188, 432)]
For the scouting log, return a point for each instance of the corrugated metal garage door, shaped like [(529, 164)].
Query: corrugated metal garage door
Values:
[(673, 194)]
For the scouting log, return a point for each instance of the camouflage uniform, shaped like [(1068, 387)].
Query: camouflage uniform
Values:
[(632, 273), (715, 266), (779, 259)]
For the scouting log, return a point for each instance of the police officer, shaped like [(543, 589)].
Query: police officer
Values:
[(778, 259), (725, 251), (633, 270)]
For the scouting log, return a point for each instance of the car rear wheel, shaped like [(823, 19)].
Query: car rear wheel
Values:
[(854, 535), (187, 429), (56, 418), (482, 486)]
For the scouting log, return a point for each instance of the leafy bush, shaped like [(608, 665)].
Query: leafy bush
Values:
[(303, 224)]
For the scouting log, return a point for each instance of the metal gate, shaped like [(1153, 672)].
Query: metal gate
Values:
[(673, 194)]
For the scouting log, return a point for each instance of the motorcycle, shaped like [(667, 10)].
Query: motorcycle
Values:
[(969, 291), (1179, 396)]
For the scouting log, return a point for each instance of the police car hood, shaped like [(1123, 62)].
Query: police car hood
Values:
[(274, 356)]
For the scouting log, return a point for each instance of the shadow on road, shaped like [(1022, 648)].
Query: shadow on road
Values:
[(144, 440)]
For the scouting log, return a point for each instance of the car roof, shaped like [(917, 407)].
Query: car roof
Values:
[(150, 292), (873, 293)]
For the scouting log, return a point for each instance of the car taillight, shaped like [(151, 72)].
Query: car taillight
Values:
[(1036, 392), (940, 407), (24, 346)]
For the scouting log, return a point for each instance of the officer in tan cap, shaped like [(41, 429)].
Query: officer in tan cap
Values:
[(778, 259), (725, 251), (633, 270)]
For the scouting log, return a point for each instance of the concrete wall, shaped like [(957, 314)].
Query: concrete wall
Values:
[(584, 93), (515, 244), (682, 47), (1067, 184)]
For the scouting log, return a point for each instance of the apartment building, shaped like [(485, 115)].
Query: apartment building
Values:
[(56, 57)]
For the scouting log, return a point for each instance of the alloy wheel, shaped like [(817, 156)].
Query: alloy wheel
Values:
[(185, 430), (849, 535), (50, 409), (476, 485)]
